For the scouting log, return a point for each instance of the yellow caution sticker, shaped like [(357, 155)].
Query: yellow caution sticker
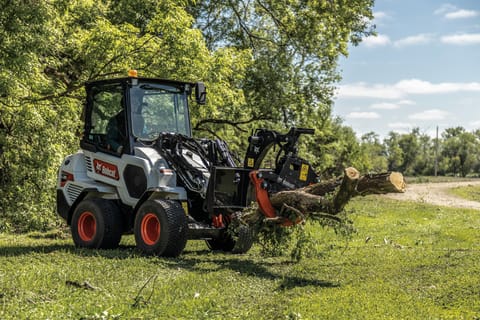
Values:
[(303, 172), (185, 206), (250, 162)]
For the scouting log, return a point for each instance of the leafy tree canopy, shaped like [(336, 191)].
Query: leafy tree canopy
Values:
[(265, 63)]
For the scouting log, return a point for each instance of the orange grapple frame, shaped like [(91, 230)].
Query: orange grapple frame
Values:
[(263, 199)]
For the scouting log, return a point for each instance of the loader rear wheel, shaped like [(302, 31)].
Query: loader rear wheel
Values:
[(161, 228), (97, 223)]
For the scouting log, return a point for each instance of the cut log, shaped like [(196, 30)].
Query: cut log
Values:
[(389, 182), (330, 197), (312, 198), (323, 187), (347, 190)]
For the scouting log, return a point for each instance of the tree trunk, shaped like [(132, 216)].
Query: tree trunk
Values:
[(390, 182), (330, 197)]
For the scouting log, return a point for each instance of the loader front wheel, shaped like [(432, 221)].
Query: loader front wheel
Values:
[(241, 244), (224, 243), (97, 224), (161, 228)]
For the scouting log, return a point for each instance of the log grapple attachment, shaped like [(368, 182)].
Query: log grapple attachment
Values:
[(289, 172)]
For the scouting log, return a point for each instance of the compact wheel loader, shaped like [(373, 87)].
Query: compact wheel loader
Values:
[(140, 170)]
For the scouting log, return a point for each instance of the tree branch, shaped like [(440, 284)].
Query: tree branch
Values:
[(251, 36), (277, 22), (121, 55), (235, 124), (213, 133)]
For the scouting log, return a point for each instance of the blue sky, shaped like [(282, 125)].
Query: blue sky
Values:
[(421, 70)]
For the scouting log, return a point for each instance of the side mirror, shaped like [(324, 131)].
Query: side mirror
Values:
[(200, 93)]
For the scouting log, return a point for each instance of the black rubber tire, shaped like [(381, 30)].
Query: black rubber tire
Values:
[(161, 228), (226, 243), (244, 241), (97, 224)]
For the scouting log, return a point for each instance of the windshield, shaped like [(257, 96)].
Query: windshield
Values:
[(158, 108)]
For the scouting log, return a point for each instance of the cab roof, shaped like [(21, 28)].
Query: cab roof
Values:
[(142, 79)]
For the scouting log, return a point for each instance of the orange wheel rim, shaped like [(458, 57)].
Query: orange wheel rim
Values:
[(87, 226), (150, 229)]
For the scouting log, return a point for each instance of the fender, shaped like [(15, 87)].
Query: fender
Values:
[(162, 193), (82, 196)]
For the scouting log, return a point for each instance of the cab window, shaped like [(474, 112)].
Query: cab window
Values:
[(159, 108), (107, 112)]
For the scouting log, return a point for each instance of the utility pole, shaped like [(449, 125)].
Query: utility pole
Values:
[(436, 154)]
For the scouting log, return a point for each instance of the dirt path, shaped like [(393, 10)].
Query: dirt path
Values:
[(436, 193)]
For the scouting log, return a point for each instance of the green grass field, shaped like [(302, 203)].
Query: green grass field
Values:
[(432, 179), (469, 192), (419, 262)]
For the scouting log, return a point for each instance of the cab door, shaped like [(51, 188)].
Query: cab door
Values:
[(106, 143), (105, 119)]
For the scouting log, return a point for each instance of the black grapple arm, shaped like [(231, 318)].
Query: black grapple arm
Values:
[(290, 171)]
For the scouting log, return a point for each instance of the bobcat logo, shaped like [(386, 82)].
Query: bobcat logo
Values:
[(106, 169)]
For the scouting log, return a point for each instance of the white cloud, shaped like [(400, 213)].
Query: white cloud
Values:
[(407, 102), (414, 40), (382, 40), (363, 115), (391, 105), (432, 114), (380, 15), (403, 88), (363, 90), (385, 106), (376, 41), (461, 14), (449, 11), (447, 7), (462, 39), (475, 123), (416, 86)]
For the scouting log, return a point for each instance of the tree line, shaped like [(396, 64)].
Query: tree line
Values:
[(456, 152)]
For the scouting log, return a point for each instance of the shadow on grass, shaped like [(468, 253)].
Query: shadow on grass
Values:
[(248, 267), (123, 252), (191, 260), (13, 251)]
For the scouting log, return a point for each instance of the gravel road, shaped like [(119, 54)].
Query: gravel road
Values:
[(436, 193)]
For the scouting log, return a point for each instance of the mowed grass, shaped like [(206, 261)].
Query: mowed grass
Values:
[(433, 179), (468, 192), (407, 261)]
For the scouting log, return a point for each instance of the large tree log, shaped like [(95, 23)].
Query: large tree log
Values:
[(390, 182), (330, 197), (312, 198)]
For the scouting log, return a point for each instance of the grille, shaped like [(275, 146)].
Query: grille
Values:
[(73, 191), (88, 164)]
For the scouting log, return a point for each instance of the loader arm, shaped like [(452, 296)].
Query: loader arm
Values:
[(290, 171), (264, 139)]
